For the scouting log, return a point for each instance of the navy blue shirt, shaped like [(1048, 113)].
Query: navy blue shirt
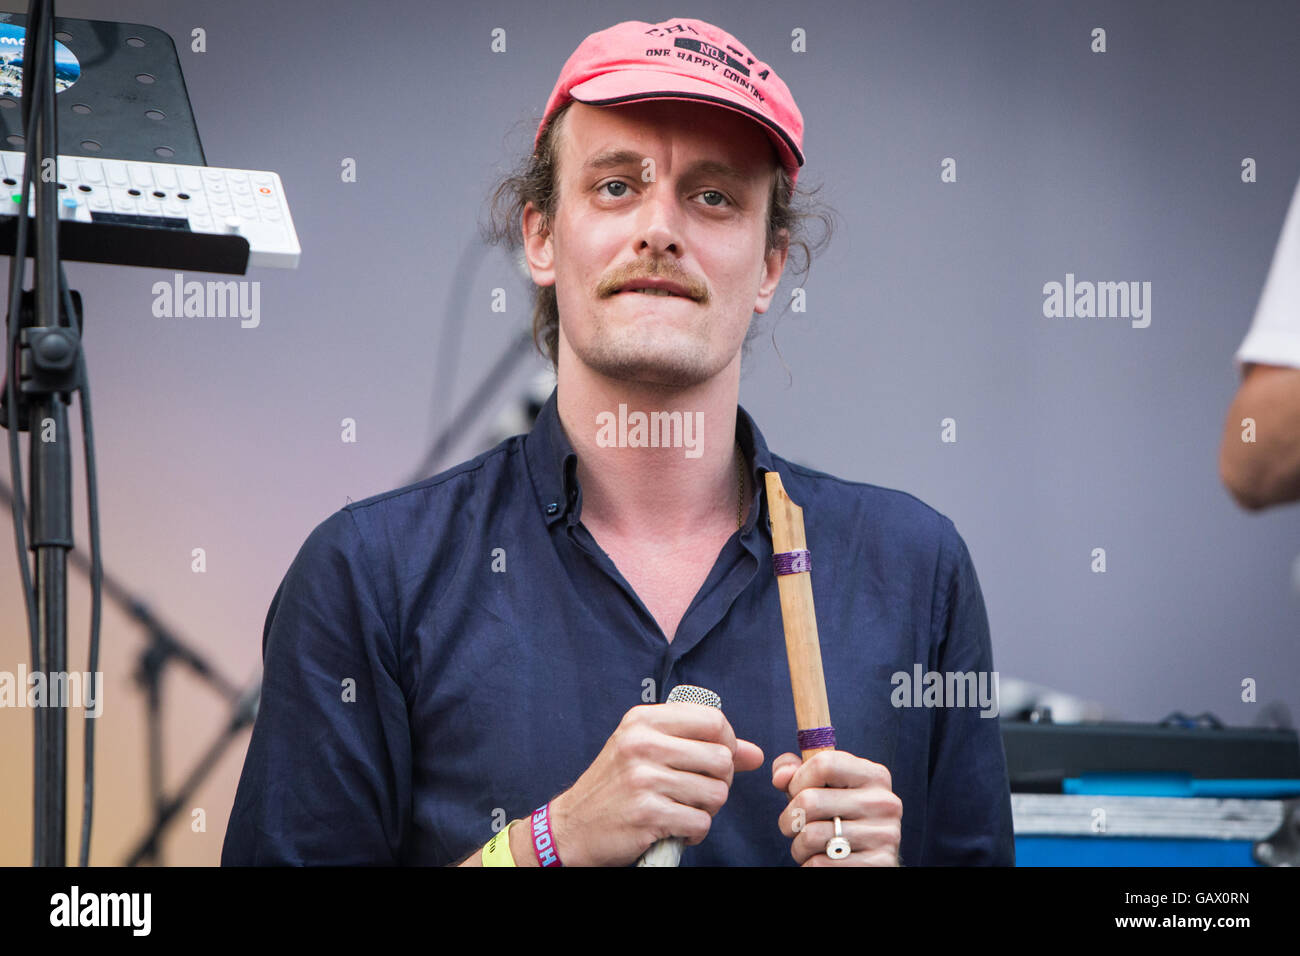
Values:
[(448, 656)]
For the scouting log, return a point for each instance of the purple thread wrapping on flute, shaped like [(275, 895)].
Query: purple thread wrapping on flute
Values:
[(792, 562), (816, 737)]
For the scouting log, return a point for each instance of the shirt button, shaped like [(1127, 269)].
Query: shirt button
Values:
[(552, 508)]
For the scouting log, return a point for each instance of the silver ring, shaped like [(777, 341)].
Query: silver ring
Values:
[(837, 848)]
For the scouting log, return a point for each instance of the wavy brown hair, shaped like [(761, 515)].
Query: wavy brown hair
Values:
[(536, 181)]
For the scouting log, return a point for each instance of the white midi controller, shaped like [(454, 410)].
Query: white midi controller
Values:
[(178, 204)]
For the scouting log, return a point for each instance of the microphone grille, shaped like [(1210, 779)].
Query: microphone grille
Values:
[(690, 694)]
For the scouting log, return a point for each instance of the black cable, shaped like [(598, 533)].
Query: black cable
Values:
[(96, 575), (46, 74), (55, 276), (38, 74), (17, 268), (42, 134), (42, 137)]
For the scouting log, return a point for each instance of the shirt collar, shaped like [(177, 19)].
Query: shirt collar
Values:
[(553, 464)]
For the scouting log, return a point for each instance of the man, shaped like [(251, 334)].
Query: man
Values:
[(1259, 456), (497, 639)]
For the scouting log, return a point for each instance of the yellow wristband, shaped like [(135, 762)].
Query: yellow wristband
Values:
[(496, 852)]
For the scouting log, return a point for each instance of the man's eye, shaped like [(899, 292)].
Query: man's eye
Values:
[(622, 190)]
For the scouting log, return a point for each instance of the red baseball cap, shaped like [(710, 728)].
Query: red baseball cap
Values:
[(680, 59)]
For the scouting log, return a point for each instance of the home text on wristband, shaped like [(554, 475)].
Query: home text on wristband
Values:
[(496, 852), (543, 839)]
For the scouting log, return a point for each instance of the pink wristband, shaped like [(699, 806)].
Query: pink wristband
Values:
[(543, 841)]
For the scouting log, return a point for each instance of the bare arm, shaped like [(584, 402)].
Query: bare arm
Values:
[(1266, 471)]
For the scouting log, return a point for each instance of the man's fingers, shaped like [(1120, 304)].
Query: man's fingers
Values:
[(871, 844), (873, 804), (839, 768), (856, 858), (783, 769), (694, 790), (696, 756), (692, 756), (693, 721), (748, 755)]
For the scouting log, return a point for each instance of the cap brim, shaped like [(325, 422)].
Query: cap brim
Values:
[(628, 86)]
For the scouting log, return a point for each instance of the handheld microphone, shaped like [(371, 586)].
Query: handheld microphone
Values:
[(668, 852)]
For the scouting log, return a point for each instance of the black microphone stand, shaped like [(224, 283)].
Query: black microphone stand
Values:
[(44, 326), (163, 647)]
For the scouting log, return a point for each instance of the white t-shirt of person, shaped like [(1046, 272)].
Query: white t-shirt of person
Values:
[(1274, 336)]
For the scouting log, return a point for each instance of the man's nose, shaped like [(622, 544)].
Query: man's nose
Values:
[(659, 220)]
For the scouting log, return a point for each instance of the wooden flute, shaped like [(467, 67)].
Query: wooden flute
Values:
[(803, 648)]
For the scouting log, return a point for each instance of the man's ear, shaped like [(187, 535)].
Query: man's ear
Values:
[(539, 249), (773, 267)]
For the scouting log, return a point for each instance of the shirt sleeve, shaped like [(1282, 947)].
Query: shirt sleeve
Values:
[(1274, 336), (968, 817), (327, 778)]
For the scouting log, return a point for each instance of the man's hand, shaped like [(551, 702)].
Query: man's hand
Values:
[(834, 783), (664, 772)]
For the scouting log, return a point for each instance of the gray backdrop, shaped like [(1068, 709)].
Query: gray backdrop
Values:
[(1072, 434)]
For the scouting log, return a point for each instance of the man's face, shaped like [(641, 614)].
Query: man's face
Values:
[(668, 189)]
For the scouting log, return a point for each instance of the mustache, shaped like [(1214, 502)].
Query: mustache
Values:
[(611, 284)]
